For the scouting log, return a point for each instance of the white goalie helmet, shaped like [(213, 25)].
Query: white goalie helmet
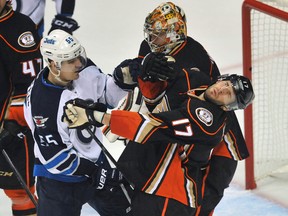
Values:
[(60, 46)]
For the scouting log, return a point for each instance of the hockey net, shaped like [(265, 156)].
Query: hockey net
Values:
[(265, 61)]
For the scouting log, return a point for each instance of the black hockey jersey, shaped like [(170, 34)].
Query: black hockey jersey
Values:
[(191, 54), (20, 58), (156, 166)]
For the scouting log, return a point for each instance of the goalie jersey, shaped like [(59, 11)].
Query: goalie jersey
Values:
[(66, 154)]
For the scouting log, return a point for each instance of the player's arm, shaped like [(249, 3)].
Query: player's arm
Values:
[(174, 126)]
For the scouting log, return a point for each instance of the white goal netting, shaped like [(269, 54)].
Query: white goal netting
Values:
[(269, 40)]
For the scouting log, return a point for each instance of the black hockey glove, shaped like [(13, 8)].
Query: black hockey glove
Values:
[(11, 131), (78, 113), (157, 67), (106, 176), (64, 23), (126, 74)]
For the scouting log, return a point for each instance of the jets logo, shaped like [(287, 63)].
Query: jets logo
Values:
[(39, 121), (26, 39)]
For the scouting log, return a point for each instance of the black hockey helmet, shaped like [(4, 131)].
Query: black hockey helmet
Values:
[(243, 90)]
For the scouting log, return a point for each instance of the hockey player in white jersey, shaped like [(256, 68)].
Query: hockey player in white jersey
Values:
[(35, 9), (70, 166)]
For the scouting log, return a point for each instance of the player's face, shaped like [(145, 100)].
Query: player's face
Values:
[(158, 39), (221, 93), (2, 4), (70, 69)]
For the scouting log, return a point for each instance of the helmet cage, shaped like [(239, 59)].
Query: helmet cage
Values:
[(167, 22)]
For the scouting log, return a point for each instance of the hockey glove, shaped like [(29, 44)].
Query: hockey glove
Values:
[(80, 113), (64, 23), (126, 74), (157, 67), (132, 102), (106, 176), (11, 131)]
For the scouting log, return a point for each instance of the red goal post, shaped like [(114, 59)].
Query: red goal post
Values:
[(265, 62)]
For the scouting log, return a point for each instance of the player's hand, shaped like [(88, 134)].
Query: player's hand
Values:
[(158, 67), (11, 131), (126, 74), (78, 113), (132, 102), (106, 176), (64, 23)]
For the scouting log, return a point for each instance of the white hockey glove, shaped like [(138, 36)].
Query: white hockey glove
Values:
[(80, 113), (133, 102)]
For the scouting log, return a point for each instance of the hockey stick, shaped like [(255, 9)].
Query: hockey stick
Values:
[(107, 153), (19, 177)]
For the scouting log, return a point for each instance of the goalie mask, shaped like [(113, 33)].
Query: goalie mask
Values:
[(243, 91), (165, 28), (60, 46)]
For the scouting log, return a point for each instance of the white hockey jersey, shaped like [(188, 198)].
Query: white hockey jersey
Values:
[(61, 153)]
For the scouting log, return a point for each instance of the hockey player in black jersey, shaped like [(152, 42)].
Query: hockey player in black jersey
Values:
[(169, 183), (70, 166), (20, 61), (166, 32)]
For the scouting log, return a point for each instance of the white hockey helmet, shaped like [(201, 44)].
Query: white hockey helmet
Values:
[(60, 46)]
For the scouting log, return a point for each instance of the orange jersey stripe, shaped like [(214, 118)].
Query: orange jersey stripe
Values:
[(118, 123)]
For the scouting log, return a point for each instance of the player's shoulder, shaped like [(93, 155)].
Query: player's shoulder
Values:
[(208, 116), (19, 18), (19, 32)]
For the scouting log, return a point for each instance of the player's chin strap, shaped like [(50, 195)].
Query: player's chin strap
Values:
[(57, 76), (132, 102)]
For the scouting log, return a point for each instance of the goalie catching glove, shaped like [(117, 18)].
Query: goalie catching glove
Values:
[(157, 67), (80, 113)]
